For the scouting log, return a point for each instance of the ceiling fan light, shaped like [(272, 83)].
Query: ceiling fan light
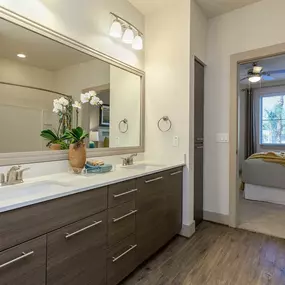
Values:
[(116, 29), (128, 36), (137, 43), (257, 69), (254, 78)]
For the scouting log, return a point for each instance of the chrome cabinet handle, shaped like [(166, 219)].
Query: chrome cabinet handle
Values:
[(23, 256), (175, 173), (82, 230), (199, 146), (132, 247), (153, 180), (124, 193), (125, 216)]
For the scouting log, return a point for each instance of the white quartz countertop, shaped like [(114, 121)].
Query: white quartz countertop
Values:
[(45, 188)]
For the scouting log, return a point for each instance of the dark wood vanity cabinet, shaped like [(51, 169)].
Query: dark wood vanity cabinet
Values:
[(76, 254), (24, 264), (97, 237)]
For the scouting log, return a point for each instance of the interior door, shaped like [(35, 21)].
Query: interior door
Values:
[(199, 141)]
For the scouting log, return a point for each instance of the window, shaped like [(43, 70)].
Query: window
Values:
[(272, 114)]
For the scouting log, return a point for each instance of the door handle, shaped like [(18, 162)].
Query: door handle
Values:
[(83, 229), (132, 247), (124, 216), (125, 193), (153, 180)]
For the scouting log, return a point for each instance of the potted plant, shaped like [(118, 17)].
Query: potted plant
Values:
[(77, 150), (54, 141)]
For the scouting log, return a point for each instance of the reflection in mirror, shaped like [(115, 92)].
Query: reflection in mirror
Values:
[(45, 85)]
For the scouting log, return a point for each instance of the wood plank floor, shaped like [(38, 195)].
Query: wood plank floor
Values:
[(216, 255)]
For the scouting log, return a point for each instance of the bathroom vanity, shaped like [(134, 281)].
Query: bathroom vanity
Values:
[(95, 236)]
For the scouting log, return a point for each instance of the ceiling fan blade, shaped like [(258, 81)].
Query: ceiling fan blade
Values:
[(267, 78), (281, 71)]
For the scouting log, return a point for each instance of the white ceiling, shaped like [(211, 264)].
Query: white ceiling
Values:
[(268, 64), (211, 8), (41, 52)]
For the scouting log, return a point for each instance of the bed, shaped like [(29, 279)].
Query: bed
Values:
[(264, 181)]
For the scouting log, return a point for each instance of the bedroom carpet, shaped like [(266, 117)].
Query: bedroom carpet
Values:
[(262, 217)]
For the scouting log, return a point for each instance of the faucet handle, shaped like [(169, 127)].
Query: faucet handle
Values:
[(20, 173)]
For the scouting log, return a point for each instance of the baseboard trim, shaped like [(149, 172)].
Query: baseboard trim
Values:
[(216, 218), (187, 230)]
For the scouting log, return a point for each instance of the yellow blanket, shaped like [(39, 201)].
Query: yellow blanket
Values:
[(275, 157)]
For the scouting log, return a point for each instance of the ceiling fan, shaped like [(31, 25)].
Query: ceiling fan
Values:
[(256, 73)]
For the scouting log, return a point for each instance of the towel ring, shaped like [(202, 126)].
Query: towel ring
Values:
[(165, 119), (125, 121)]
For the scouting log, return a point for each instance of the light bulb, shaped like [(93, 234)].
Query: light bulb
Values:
[(116, 29), (254, 78), (21, 55), (138, 43), (128, 36)]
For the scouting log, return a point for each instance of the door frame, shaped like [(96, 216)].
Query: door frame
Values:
[(235, 60)]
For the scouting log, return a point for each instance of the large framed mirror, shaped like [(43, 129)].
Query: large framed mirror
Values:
[(50, 82)]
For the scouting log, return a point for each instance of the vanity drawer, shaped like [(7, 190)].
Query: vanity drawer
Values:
[(121, 260), (76, 254), (121, 193), (24, 264), (25, 223), (121, 221)]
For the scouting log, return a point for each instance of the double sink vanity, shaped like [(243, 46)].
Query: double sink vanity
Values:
[(93, 229)]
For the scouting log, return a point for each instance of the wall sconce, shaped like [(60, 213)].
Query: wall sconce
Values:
[(129, 34)]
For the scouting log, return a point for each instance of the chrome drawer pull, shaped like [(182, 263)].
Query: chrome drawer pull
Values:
[(125, 216), (82, 230), (124, 253), (175, 173), (125, 193), (153, 180), (23, 256)]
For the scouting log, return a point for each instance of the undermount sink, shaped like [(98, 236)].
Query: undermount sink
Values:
[(11, 191), (143, 166)]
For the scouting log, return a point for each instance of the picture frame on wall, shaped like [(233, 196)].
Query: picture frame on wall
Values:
[(104, 115)]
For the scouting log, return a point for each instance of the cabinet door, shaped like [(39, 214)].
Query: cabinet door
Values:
[(24, 264), (76, 254), (151, 219), (173, 193)]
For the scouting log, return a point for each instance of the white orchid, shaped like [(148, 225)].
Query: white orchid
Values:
[(63, 101), (92, 93), (76, 105), (94, 101), (85, 97), (57, 107)]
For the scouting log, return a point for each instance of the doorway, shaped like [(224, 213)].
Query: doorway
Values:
[(237, 59)]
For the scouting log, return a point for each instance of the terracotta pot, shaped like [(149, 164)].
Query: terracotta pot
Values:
[(55, 146), (77, 157)]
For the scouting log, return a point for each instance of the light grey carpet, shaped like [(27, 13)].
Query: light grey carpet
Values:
[(261, 217)]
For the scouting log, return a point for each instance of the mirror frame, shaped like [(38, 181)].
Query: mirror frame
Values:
[(45, 156)]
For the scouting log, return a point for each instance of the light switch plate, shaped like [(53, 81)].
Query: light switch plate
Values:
[(117, 141), (175, 141), (222, 138)]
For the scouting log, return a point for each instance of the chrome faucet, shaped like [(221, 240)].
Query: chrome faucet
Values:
[(13, 176), (129, 160)]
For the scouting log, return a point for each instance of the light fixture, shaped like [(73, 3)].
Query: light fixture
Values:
[(116, 29), (21, 55), (137, 43), (255, 78), (121, 28), (128, 36)]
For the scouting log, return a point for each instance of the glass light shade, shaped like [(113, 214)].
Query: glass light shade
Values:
[(128, 36), (138, 43), (254, 78), (116, 30)]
